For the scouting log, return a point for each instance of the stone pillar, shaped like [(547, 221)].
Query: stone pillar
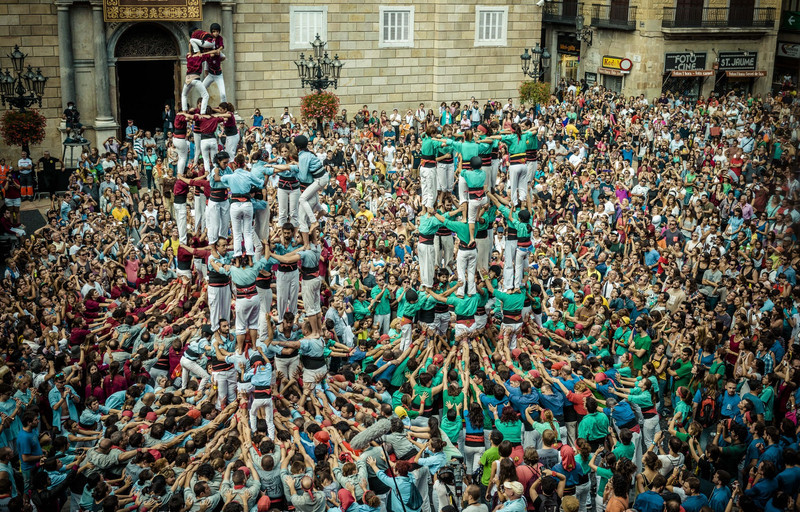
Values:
[(65, 60), (229, 64), (104, 124)]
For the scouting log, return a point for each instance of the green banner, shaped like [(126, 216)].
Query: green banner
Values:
[(791, 20)]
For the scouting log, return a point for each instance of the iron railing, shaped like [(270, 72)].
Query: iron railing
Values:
[(562, 12), (718, 17), (614, 16)]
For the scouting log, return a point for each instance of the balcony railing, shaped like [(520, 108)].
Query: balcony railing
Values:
[(562, 12), (718, 17), (615, 16)]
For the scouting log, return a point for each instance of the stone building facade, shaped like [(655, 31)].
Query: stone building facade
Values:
[(396, 54), (679, 46)]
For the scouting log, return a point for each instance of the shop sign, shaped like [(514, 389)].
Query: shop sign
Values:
[(684, 61), (610, 72), (737, 60), (746, 74), (591, 78), (691, 72), (569, 45), (790, 50), (620, 63)]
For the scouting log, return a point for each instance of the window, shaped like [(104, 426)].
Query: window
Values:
[(304, 25), (490, 26), (397, 26)]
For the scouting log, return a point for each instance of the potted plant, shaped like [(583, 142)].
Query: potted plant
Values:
[(533, 92), (23, 128), (319, 105)]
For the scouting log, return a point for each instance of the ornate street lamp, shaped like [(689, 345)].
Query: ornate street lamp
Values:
[(535, 62), (24, 87), (319, 71), (584, 34)]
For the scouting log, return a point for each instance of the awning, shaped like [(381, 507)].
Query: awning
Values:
[(691, 72), (610, 72), (746, 74)]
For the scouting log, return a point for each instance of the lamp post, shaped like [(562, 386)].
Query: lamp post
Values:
[(583, 33), (319, 71), (535, 62), (24, 87)]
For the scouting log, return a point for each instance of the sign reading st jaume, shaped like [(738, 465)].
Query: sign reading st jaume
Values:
[(146, 10)]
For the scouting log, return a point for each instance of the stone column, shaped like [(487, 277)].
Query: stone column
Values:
[(105, 126), (229, 64), (65, 60)]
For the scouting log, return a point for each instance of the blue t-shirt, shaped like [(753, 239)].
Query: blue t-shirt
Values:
[(28, 444)]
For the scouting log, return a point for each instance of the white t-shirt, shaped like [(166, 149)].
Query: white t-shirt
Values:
[(25, 165)]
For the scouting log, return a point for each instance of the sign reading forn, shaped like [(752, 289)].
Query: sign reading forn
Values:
[(147, 10)]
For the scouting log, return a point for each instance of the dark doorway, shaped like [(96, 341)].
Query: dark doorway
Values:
[(689, 13), (145, 86), (742, 13), (147, 74)]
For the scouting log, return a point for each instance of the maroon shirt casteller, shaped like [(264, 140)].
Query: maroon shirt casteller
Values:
[(215, 62)]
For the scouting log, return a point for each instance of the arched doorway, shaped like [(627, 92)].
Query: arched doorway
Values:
[(148, 74)]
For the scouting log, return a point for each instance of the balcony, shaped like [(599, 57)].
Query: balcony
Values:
[(562, 12), (732, 19), (614, 17)]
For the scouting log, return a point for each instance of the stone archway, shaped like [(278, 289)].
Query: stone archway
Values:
[(147, 61)]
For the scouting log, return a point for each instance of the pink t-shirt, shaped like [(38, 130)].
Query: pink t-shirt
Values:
[(132, 270)]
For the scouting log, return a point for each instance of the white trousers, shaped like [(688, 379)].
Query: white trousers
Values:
[(182, 147), (309, 202), (427, 263), (231, 144), (287, 366), (187, 87), (191, 367), (518, 177), (217, 220), (261, 221), (509, 253), (466, 262), (288, 207), (427, 177), (493, 174), (520, 266), (264, 307), (220, 82), (196, 137), (444, 250), (179, 211), (445, 177), (382, 322), (208, 148), (266, 404), (219, 305), (286, 287), (247, 314), (226, 387), (199, 212), (441, 322), (242, 226), (311, 301), (485, 249)]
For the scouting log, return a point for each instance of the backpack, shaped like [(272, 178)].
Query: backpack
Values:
[(550, 503), (707, 414)]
